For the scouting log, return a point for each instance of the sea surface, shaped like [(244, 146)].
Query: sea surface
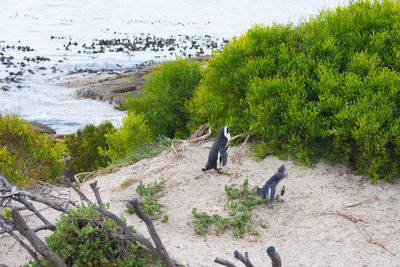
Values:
[(44, 39)]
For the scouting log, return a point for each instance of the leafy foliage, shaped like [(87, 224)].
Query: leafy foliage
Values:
[(166, 92), (85, 238), (133, 136), (328, 87), (239, 204), (27, 155), (84, 147), (149, 199)]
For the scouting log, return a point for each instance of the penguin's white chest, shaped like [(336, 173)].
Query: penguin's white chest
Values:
[(279, 186)]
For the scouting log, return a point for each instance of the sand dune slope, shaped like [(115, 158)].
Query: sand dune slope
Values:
[(305, 229)]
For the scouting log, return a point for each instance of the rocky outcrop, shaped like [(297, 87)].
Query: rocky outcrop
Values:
[(113, 87), (42, 128)]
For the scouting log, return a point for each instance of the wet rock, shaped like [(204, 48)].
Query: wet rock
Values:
[(42, 128)]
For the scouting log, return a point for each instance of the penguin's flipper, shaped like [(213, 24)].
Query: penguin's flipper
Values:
[(261, 192), (272, 194), (223, 159)]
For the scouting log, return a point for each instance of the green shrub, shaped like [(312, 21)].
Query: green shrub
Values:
[(84, 237), (328, 87), (149, 196), (84, 147), (133, 136), (166, 93), (27, 155), (239, 205)]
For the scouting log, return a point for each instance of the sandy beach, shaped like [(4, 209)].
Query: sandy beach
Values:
[(306, 229)]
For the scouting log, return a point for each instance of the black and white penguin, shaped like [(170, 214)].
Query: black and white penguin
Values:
[(274, 255), (274, 184), (218, 152)]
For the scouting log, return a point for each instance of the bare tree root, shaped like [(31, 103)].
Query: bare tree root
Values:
[(245, 259), (224, 262)]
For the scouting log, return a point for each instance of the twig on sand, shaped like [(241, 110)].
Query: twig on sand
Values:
[(369, 238), (363, 231), (365, 200), (348, 216)]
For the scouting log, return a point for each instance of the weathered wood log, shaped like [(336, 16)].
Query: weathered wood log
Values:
[(10, 231), (39, 245), (153, 233), (224, 262), (274, 255), (139, 240), (244, 259)]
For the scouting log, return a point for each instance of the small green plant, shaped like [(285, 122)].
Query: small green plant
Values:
[(165, 218), (149, 196), (238, 206)]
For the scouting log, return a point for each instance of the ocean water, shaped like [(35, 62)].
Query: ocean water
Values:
[(44, 39)]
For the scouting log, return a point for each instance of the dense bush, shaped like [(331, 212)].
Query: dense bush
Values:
[(132, 136), (329, 87), (84, 237), (163, 102), (26, 154), (85, 144)]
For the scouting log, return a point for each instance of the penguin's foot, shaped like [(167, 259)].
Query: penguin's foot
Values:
[(270, 207), (280, 200), (220, 171)]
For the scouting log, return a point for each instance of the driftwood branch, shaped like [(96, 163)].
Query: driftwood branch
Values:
[(130, 236), (22, 243), (199, 134), (141, 241), (244, 259), (275, 258), (153, 233), (224, 262), (39, 245)]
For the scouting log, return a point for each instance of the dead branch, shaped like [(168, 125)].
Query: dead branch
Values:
[(363, 201), (238, 153), (363, 231), (371, 240), (244, 259), (153, 233), (131, 236), (274, 255), (350, 217), (9, 231), (199, 132), (39, 245), (199, 135), (236, 137), (224, 262)]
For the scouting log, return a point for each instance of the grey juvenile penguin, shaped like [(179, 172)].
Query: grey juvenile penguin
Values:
[(218, 151), (274, 184)]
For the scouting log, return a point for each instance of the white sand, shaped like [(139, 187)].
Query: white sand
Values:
[(304, 229)]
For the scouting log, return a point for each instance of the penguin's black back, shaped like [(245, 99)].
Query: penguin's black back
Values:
[(219, 144)]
